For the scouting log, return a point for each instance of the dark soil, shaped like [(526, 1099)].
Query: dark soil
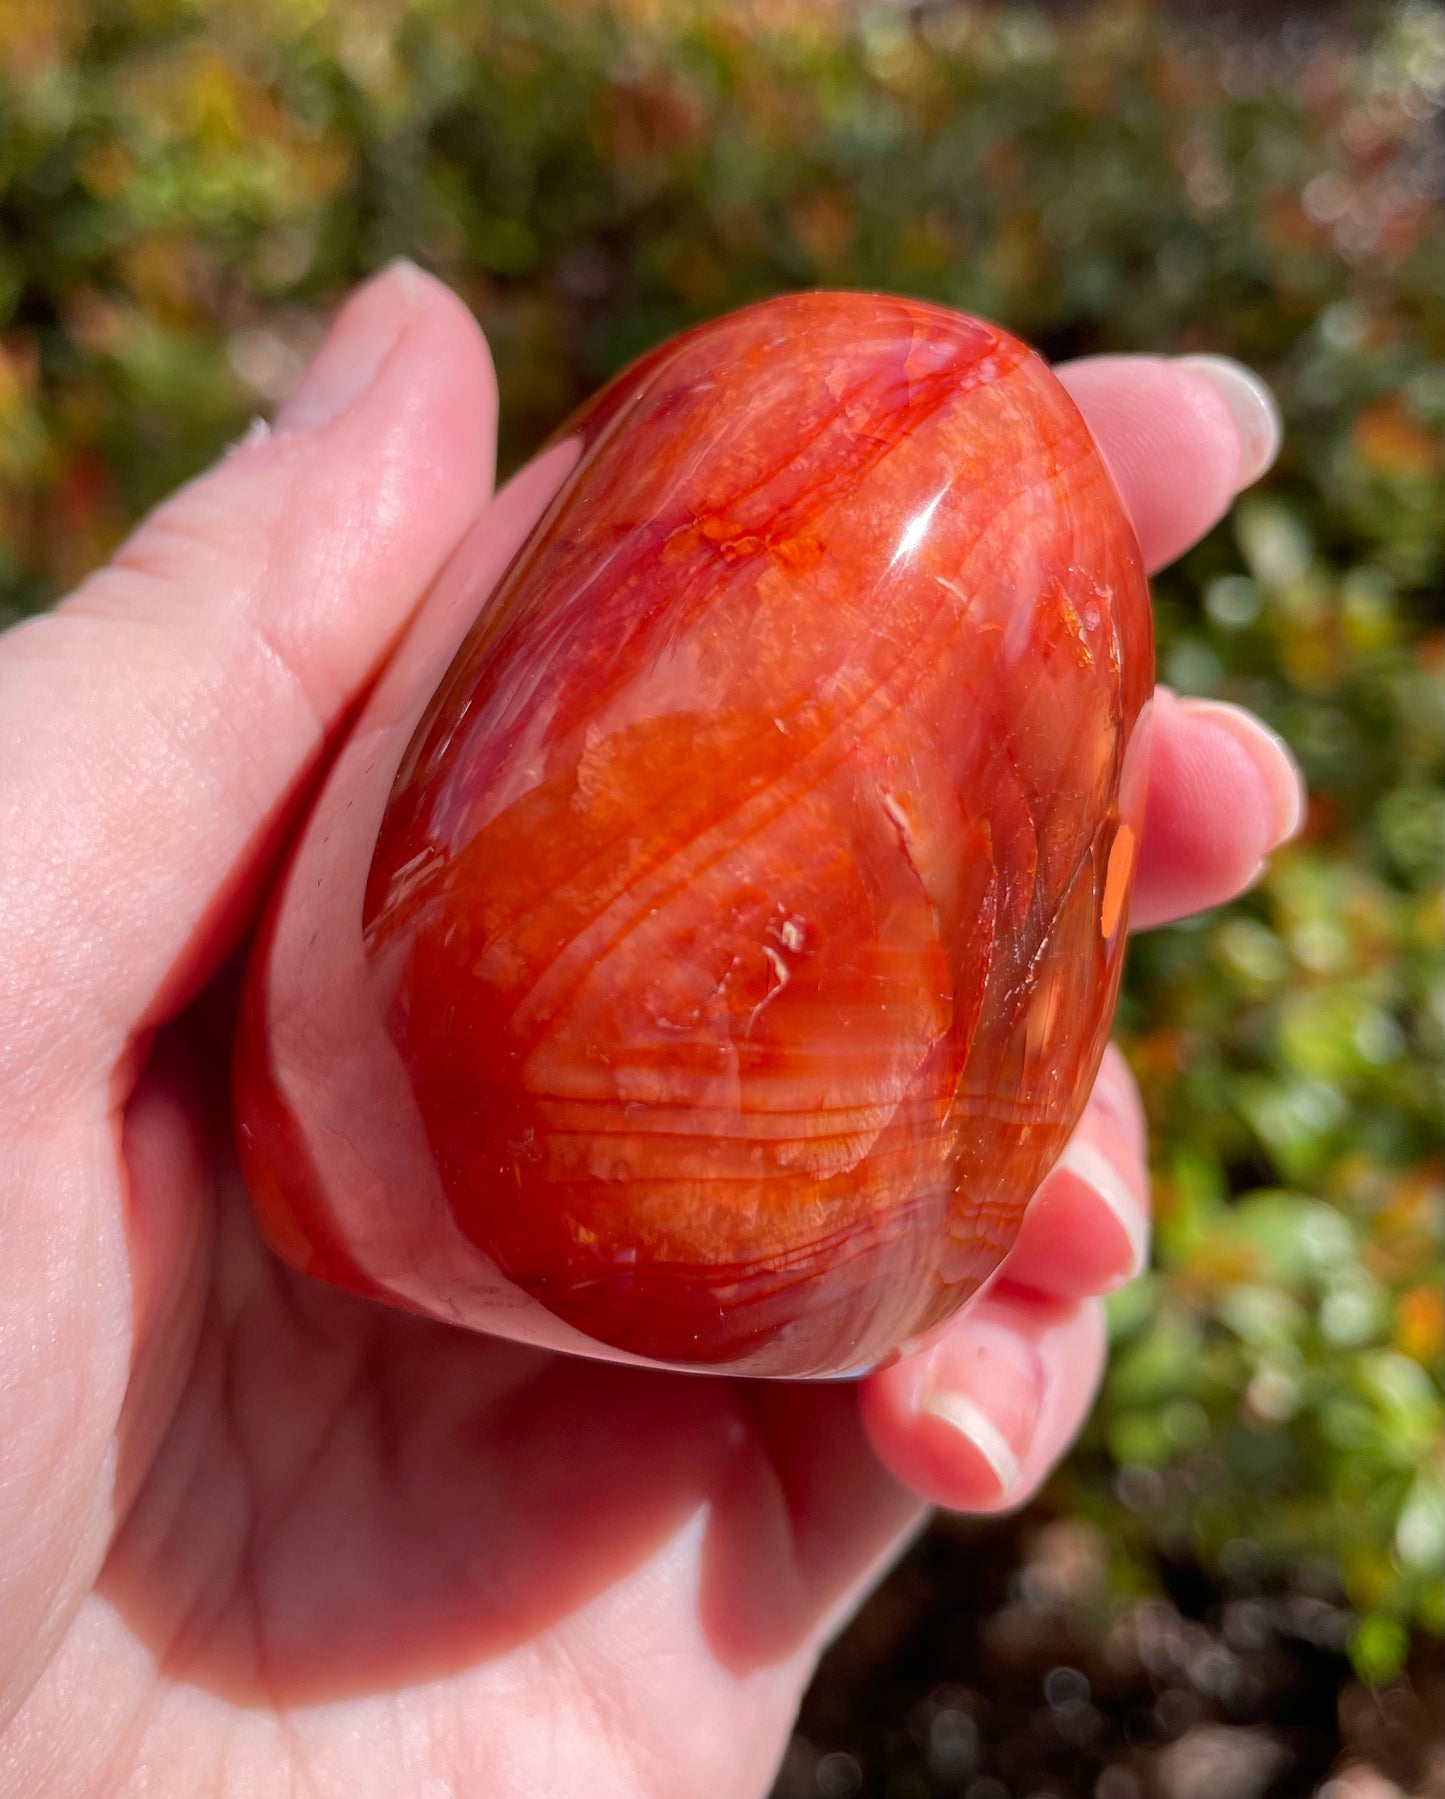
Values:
[(994, 1665)]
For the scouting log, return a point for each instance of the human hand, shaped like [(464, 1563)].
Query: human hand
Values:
[(260, 1536)]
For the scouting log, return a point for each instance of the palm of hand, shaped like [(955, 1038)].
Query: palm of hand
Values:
[(267, 1537), (361, 1525)]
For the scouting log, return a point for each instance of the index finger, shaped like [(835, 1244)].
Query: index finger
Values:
[(1181, 435)]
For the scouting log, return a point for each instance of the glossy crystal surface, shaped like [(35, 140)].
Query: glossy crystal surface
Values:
[(716, 964)]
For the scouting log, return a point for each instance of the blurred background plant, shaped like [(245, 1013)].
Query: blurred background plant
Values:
[(186, 187)]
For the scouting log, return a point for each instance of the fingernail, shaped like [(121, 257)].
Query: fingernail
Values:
[(1252, 406), (256, 432), (1097, 1172), (1280, 776), (986, 1383), (365, 332)]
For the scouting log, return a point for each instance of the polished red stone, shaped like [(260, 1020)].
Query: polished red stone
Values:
[(745, 919)]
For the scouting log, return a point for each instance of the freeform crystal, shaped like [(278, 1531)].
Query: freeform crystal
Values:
[(710, 968)]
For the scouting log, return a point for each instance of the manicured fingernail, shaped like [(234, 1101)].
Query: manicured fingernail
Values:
[(257, 432), (1252, 406), (1099, 1175), (1281, 780), (359, 342), (986, 1383)]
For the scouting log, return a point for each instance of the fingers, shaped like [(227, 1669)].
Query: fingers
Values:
[(1181, 435), (978, 1416), (156, 727), (1223, 792), (977, 1420), (1086, 1231)]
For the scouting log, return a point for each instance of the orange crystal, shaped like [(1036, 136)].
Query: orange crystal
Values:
[(745, 919)]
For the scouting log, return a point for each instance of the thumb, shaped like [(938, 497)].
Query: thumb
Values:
[(156, 726), (154, 732)]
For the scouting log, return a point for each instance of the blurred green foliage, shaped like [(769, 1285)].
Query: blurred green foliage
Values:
[(187, 185)]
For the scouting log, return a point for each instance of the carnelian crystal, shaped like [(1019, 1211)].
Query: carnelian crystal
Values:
[(745, 919)]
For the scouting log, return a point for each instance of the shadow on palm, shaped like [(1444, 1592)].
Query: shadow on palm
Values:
[(350, 1500)]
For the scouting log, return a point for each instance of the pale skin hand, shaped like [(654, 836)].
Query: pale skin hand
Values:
[(257, 1537)]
